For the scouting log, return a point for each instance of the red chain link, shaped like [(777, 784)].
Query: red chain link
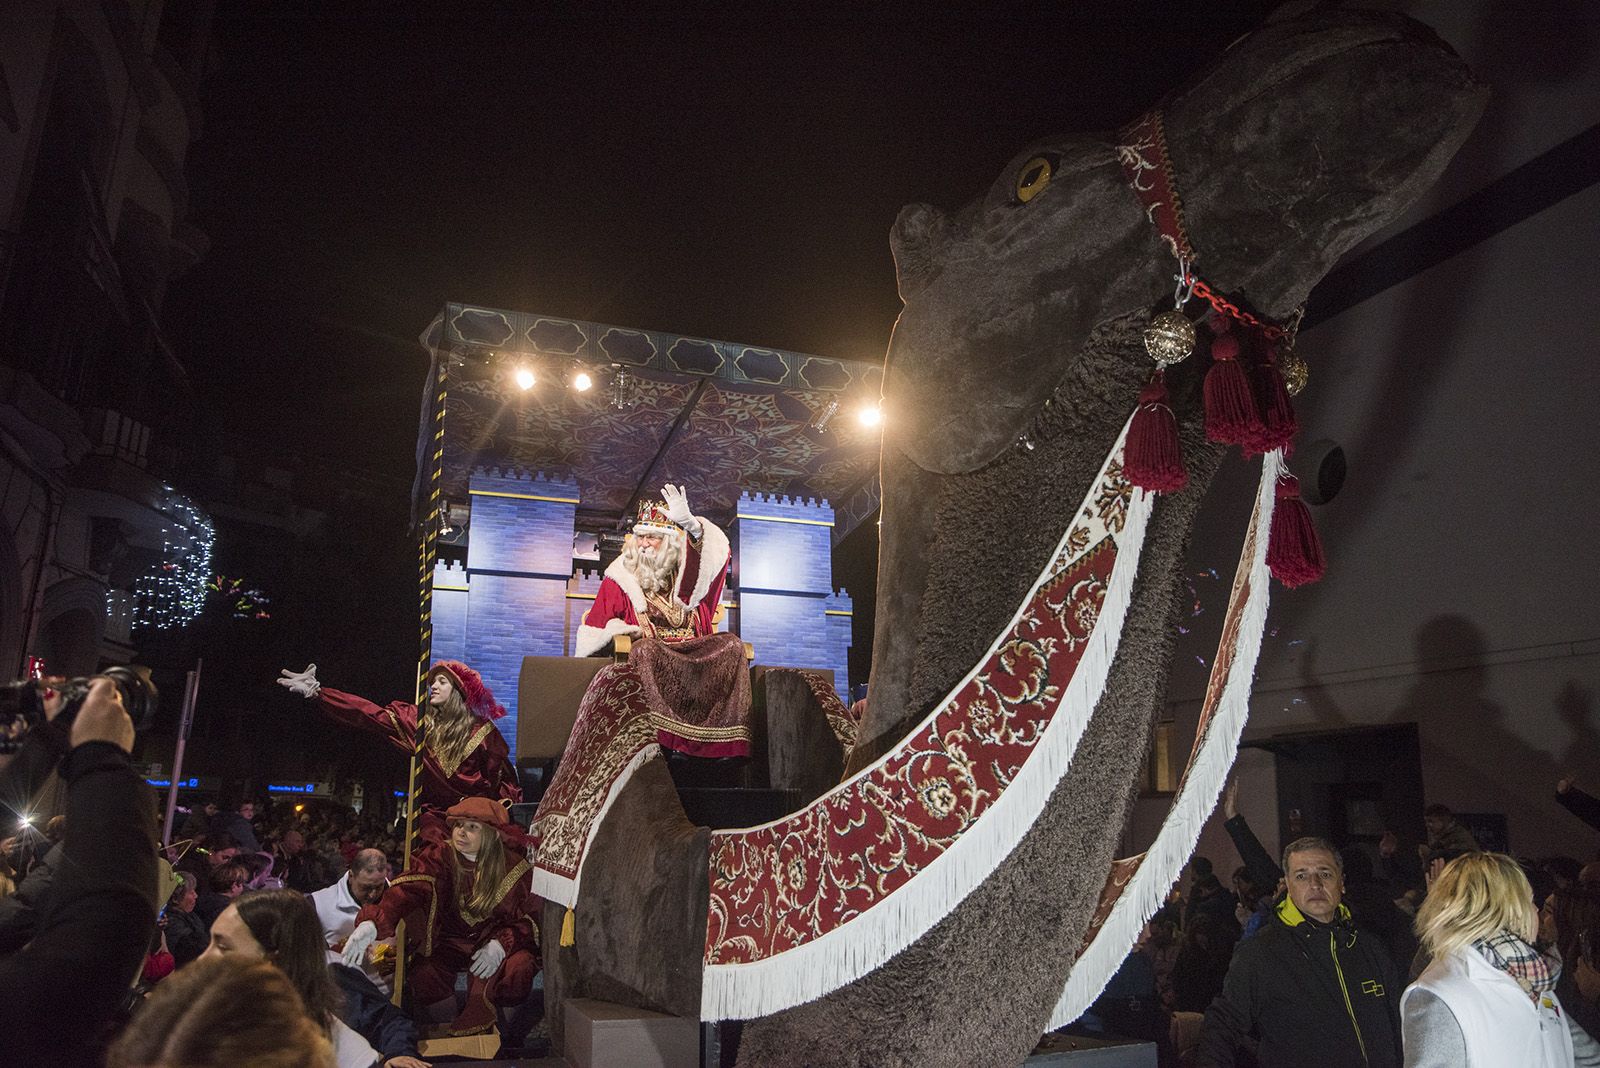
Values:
[(1222, 304)]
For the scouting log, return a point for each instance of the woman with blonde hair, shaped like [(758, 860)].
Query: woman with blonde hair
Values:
[(472, 904), (1488, 998), (222, 1013), (463, 753)]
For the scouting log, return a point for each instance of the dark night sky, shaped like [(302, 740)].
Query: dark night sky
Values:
[(731, 179)]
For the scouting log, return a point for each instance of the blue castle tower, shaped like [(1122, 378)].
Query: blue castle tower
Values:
[(787, 606), (510, 601)]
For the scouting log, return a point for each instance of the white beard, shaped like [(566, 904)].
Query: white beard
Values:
[(655, 573)]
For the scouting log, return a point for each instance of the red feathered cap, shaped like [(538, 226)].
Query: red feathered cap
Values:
[(480, 699)]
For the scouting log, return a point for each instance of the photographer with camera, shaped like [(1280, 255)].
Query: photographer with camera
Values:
[(59, 992)]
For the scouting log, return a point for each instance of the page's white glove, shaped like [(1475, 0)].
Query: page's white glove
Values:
[(303, 683), (487, 960), (360, 940), (677, 503)]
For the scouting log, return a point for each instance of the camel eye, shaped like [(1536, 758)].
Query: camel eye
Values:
[(1033, 177)]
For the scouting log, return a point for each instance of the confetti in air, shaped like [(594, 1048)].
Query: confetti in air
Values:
[(243, 602)]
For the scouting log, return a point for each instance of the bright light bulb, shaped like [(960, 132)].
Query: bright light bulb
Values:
[(524, 378), (581, 381), (871, 415)]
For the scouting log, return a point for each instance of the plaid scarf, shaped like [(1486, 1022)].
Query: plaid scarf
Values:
[(1534, 971)]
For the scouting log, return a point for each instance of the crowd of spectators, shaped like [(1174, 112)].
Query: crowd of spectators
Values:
[(222, 949), (1362, 954), (226, 947)]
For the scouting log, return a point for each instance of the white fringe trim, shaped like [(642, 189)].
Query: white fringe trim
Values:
[(1197, 796), (559, 888), (866, 942)]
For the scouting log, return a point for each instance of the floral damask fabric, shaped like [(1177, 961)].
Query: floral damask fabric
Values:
[(612, 729), (780, 886), (842, 719)]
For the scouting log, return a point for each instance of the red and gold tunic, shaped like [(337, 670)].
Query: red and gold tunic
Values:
[(424, 895), (485, 771)]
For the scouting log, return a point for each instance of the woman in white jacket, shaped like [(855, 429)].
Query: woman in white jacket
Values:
[(1487, 999)]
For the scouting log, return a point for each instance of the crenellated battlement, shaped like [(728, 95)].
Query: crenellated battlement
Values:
[(520, 479), (755, 505)]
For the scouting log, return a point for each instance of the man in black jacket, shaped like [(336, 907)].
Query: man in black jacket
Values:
[(59, 992), (1309, 988)]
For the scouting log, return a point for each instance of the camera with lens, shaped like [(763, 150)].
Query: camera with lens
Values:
[(22, 704)]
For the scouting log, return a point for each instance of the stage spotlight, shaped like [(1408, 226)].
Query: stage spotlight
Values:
[(582, 382), (524, 378), (871, 415), (621, 387), (820, 422)]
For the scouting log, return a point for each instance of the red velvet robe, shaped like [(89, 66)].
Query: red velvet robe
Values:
[(484, 772), (620, 607), (424, 895)]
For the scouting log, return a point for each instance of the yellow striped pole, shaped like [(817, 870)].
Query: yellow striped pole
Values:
[(427, 554)]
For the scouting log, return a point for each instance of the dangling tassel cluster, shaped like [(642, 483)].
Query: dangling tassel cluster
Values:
[(1278, 424), (1250, 408), (1231, 417), (1294, 552), (569, 929), (1153, 459)]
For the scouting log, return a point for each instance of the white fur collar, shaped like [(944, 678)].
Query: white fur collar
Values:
[(714, 553)]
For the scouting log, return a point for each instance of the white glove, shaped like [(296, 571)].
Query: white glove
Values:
[(360, 940), (303, 683), (678, 509), (487, 960)]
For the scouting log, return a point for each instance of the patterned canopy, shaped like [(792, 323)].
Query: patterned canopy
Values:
[(716, 417)]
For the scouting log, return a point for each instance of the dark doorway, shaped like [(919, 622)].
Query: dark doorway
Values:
[(1349, 785)]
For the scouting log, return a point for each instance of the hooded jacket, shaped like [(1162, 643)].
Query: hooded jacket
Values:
[(1307, 993)]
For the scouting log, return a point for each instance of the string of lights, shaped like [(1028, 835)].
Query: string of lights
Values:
[(173, 594)]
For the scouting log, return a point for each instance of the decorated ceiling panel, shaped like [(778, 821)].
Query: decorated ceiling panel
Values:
[(716, 416)]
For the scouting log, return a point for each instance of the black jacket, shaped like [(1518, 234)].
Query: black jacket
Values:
[(1307, 993), (59, 992), (1584, 806), (187, 936), (372, 1016), (19, 913), (1264, 871), (240, 828)]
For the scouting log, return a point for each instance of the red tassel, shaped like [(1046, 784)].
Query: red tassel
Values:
[(1294, 552), (1153, 459), (1230, 405), (1278, 422)]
